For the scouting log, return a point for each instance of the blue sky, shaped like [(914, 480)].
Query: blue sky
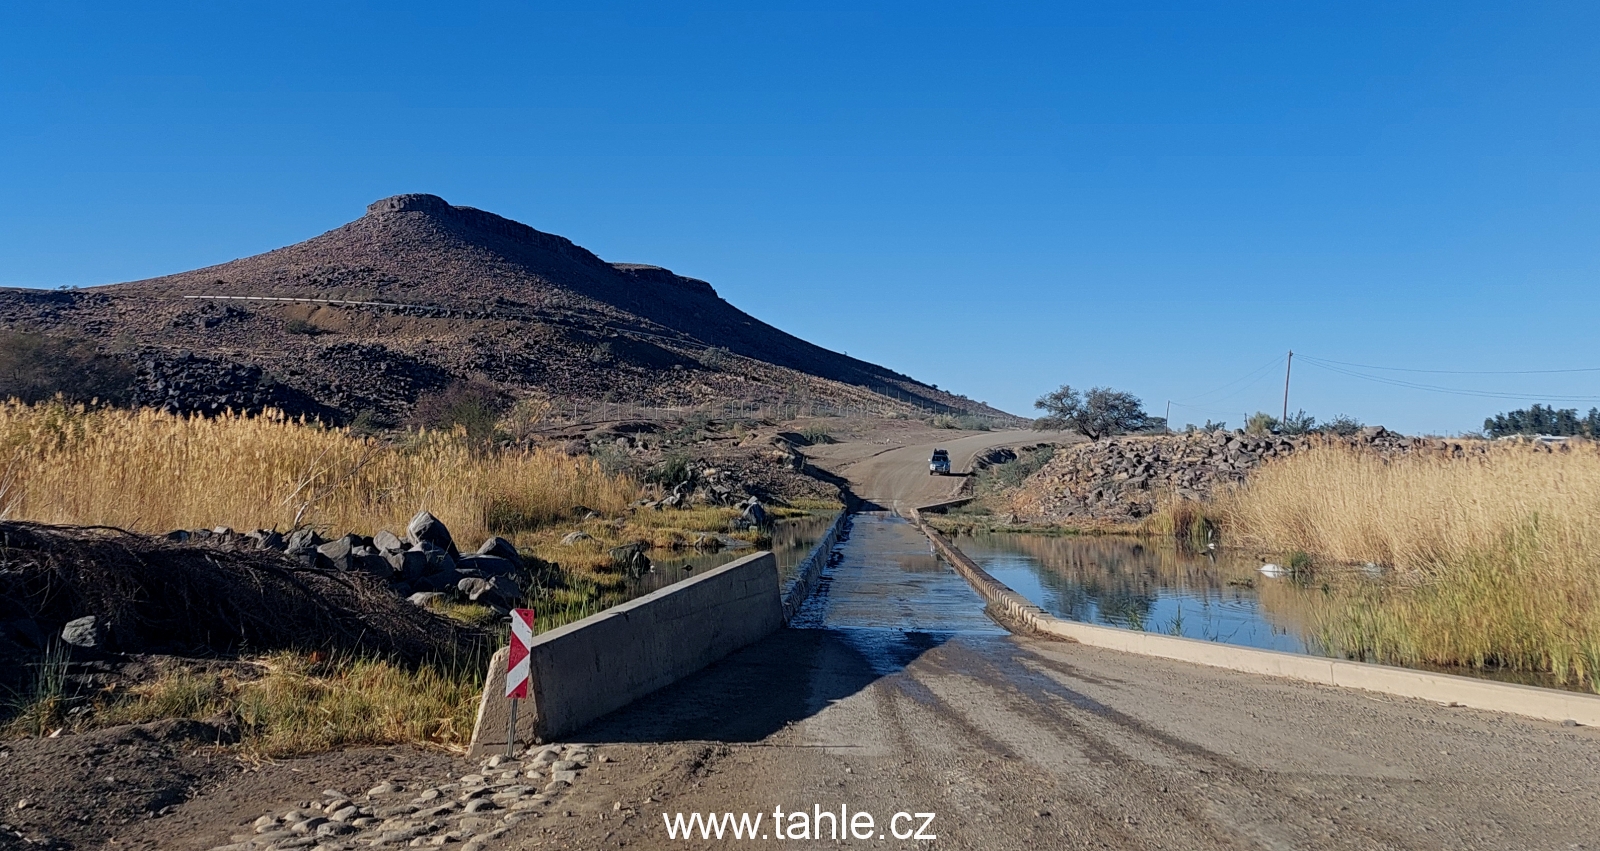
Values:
[(996, 198)]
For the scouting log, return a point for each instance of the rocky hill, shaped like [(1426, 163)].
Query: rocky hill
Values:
[(1122, 479), (419, 295)]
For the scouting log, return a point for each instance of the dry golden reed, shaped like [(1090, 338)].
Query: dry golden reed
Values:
[(1496, 556), (153, 472), (1418, 511)]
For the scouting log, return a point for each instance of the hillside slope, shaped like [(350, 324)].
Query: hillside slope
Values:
[(418, 294)]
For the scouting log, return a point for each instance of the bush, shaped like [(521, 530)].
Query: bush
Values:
[(1343, 425), (35, 368), (1298, 422), (715, 357), (470, 405), (1261, 422), (1029, 461), (816, 435), (671, 471), (963, 422)]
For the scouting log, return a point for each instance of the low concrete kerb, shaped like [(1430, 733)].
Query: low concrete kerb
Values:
[(1528, 701), (809, 572)]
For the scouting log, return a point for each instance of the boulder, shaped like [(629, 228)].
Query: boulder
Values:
[(480, 565), (26, 632), (339, 553), (427, 529), (83, 632), (574, 537), (267, 539), (371, 561), (409, 566), (497, 591), (753, 516), (301, 540), (423, 598), (501, 548), (630, 558), (388, 542), (438, 560)]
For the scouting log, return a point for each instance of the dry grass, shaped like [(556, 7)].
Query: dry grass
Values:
[(1497, 556), (152, 472), (1419, 511), (299, 705)]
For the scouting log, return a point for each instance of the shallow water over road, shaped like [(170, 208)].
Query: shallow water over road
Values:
[(890, 598)]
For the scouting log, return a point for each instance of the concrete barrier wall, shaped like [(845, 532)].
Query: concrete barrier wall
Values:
[(809, 572), (594, 666), (1024, 616)]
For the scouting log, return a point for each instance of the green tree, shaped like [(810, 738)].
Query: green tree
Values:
[(1543, 419), (1099, 412)]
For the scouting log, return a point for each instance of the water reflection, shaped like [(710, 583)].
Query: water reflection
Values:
[(1132, 584), (1156, 587), (792, 539)]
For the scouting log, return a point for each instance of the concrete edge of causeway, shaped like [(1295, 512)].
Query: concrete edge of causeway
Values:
[(594, 666)]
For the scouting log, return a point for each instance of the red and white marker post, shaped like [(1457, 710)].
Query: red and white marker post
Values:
[(517, 665)]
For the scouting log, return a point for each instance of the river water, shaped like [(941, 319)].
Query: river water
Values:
[(1156, 587), (792, 540)]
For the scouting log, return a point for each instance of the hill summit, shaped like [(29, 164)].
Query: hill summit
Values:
[(419, 295)]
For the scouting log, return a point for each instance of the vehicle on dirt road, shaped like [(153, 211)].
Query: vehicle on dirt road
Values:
[(939, 464)]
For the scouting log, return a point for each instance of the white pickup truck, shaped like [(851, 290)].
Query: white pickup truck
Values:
[(939, 464)]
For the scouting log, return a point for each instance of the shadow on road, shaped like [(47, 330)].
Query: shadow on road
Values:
[(790, 675)]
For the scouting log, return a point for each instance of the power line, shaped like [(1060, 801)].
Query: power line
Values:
[(1455, 371), (1253, 377), (1457, 391)]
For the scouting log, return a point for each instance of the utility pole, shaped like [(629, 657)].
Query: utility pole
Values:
[(1169, 415), (1286, 367)]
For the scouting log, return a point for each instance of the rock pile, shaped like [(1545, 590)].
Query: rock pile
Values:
[(1122, 479), (425, 566), (474, 811), (186, 384), (702, 486)]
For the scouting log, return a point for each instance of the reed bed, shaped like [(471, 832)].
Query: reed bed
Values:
[(152, 472), (1493, 558)]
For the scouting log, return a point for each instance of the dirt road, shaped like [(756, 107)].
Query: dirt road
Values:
[(895, 473)]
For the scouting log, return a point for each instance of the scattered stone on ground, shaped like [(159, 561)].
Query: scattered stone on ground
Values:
[(473, 810)]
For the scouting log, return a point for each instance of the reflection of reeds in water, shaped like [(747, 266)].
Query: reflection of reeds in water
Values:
[(1122, 578)]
